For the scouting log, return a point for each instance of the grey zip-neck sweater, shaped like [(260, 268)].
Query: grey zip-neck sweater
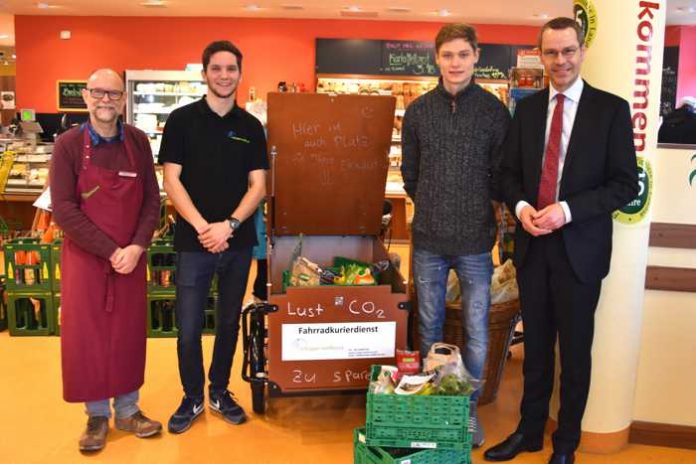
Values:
[(451, 154)]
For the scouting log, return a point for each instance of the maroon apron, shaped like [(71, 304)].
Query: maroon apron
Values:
[(103, 313)]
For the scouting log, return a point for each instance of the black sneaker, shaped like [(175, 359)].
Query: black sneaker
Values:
[(229, 409), (184, 416)]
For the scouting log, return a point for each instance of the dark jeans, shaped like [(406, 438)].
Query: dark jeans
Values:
[(260, 290), (194, 274), (555, 303)]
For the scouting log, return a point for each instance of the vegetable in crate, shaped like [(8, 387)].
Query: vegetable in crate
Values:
[(355, 274), (452, 379)]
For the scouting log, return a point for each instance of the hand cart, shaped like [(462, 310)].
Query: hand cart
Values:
[(329, 161)]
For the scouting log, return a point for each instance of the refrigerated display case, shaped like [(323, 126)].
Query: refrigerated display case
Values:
[(152, 95)]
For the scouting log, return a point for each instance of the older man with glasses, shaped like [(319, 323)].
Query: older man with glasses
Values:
[(106, 199)]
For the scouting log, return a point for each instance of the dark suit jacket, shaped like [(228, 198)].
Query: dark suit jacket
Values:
[(600, 174)]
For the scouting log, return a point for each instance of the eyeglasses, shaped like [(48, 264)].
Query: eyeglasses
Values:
[(566, 52), (99, 94)]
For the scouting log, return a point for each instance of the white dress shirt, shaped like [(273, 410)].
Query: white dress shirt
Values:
[(570, 109)]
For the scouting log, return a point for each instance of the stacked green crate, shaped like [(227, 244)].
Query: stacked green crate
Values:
[(56, 314), (29, 287), (415, 429), (364, 454), (3, 305), (161, 292), (56, 247)]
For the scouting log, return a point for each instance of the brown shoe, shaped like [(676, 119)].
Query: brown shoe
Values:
[(94, 437), (140, 425)]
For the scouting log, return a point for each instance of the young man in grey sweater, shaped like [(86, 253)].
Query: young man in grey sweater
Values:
[(452, 138)]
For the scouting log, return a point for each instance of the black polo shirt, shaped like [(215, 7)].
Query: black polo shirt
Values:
[(216, 154)]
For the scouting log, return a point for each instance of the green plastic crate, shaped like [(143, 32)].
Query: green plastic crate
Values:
[(161, 319), (161, 268), (57, 321), (30, 314), (161, 316), (23, 277), (56, 247), (210, 315), (3, 305), (417, 421), (363, 454)]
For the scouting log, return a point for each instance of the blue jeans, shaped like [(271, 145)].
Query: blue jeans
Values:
[(194, 275), (124, 405), (474, 273)]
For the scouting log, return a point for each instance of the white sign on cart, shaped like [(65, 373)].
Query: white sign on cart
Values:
[(355, 340)]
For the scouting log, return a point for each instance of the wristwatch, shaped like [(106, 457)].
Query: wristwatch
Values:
[(234, 223)]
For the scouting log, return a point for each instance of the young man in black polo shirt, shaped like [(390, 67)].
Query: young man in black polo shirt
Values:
[(214, 156)]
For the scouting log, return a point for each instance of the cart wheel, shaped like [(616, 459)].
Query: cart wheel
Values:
[(258, 397)]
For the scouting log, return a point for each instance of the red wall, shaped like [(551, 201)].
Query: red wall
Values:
[(686, 78), (672, 35), (274, 49)]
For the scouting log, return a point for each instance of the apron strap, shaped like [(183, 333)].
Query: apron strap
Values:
[(86, 147), (110, 292)]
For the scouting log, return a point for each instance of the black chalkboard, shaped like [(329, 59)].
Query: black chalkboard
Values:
[(70, 96), (403, 58), (345, 56), (495, 61), (408, 58), (670, 66)]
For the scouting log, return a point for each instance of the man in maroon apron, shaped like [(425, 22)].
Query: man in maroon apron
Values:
[(106, 199), (214, 156)]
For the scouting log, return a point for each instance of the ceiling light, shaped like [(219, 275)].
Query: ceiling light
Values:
[(14, 57), (154, 4), (398, 9), (443, 12), (4, 36), (541, 15), (44, 5), (353, 8), (252, 7)]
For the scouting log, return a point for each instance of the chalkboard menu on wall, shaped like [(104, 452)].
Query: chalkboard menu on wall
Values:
[(403, 58), (70, 96), (670, 65), (408, 58)]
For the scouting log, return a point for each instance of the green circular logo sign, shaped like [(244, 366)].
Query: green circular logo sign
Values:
[(586, 17), (638, 208)]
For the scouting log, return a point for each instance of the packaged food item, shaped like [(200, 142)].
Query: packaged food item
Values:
[(304, 273), (408, 362), (385, 381), (451, 379), (418, 384), (442, 353)]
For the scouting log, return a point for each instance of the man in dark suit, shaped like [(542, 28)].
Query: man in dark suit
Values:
[(569, 162)]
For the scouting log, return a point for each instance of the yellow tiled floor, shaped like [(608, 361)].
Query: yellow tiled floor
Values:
[(37, 426)]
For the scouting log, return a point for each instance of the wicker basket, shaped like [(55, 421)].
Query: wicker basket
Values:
[(501, 325)]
